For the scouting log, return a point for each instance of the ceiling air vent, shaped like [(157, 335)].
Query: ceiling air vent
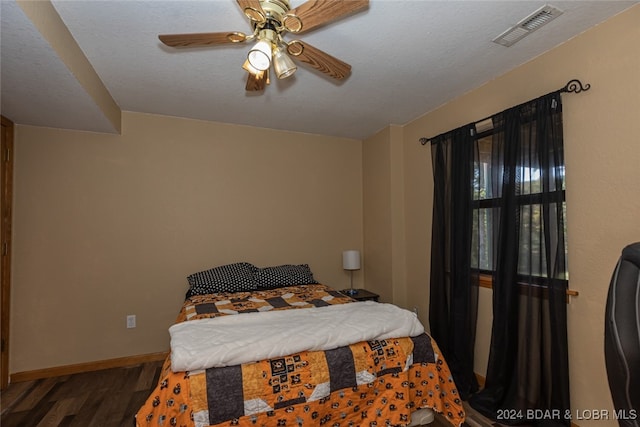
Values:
[(526, 26)]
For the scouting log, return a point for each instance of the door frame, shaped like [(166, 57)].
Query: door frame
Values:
[(6, 198)]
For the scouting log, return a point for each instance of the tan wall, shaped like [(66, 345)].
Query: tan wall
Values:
[(109, 225), (377, 257), (603, 192), (383, 210)]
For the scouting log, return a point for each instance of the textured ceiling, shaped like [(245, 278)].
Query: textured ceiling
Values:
[(408, 58)]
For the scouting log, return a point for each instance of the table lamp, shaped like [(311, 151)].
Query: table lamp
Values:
[(351, 262)]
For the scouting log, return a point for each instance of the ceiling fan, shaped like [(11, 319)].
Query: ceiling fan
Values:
[(270, 20)]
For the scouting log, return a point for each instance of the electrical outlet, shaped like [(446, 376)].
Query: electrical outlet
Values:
[(131, 321), (415, 310)]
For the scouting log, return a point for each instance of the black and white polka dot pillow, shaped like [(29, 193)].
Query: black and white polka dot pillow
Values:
[(238, 277), (284, 275)]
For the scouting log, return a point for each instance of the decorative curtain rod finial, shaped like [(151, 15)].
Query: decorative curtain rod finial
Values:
[(423, 140), (575, 86)]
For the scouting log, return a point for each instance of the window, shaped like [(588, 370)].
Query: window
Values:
[(532, 190)]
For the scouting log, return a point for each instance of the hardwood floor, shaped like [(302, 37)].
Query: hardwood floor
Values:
[(105, 398)]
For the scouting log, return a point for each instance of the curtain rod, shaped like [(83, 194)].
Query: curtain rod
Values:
[(572, 86)]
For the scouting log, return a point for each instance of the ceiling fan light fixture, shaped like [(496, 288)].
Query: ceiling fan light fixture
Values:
[(260, 55), (270, 20), (283, 65)]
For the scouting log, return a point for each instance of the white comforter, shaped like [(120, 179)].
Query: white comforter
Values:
[(249, 337)]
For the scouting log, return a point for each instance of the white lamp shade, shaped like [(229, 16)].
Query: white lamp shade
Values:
[(260, 55), (351, 260)]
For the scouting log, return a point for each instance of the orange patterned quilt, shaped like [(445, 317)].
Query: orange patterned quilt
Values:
[(369, 383)]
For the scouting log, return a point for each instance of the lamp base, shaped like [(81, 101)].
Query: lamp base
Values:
[(350, 292)]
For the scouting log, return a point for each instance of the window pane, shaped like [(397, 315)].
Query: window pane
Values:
[(531, 259), (530, 180), (482, 240), (483, 188)]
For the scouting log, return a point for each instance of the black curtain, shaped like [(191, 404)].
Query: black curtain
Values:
[(527, 376), (453, 297)]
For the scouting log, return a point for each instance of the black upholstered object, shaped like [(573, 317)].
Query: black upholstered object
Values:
[(622, 337)]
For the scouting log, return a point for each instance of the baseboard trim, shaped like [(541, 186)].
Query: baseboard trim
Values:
[(59, 371), (481, 381)]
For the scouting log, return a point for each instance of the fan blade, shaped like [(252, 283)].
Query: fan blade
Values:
[(314, 13), (201, 39), (257, 82), (319, 60), (252, 9)]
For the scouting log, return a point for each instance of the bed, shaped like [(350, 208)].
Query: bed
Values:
[(276, 348)]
